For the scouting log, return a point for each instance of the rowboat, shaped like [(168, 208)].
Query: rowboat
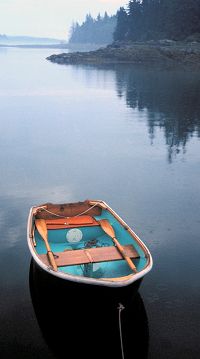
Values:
[(86, 242)]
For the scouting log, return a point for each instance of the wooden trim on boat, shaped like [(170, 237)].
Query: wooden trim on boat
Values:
[(89, 255), (49, 210), (71, 222), (119, 279)]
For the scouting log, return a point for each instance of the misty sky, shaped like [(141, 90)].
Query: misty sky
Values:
[(49, 18)]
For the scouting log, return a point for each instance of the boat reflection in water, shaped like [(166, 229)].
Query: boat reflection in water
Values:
[(84, 321)]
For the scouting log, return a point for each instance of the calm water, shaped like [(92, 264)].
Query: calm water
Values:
[(130, 136)]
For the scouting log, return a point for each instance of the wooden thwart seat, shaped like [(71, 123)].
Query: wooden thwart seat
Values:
[(90, 255), (71, 222)]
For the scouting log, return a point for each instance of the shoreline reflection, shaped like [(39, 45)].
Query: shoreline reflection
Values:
[(171, 99)]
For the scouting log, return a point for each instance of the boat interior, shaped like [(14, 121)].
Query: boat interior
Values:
[(80, 244)]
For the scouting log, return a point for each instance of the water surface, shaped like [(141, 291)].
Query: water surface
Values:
[(124, 134)]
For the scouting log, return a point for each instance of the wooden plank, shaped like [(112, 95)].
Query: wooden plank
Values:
[(94, 255), (71, 222)]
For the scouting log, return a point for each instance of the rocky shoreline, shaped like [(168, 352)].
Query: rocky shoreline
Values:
[(168, 53)]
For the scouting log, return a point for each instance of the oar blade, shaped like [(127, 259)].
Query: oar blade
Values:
[(41, 227), (106, 226)]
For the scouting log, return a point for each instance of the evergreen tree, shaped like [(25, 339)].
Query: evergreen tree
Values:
[(134, 19), (94, 31), (158, 19), (121, 29)]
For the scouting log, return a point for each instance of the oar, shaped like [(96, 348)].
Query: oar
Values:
[(108, 229), (42, 229)]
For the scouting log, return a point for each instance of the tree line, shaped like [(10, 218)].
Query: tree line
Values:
[(144, 20), (93, 30)]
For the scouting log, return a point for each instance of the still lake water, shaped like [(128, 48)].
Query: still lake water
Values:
[(124, 134)]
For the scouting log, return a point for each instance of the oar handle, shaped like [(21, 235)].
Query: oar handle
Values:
[(52, 260), (121, 250), (50, 255)]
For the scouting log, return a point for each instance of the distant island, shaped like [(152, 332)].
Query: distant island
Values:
[(6, 40), (146, 32)]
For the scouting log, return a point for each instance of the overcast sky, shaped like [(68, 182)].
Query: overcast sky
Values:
[(49, 18)]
